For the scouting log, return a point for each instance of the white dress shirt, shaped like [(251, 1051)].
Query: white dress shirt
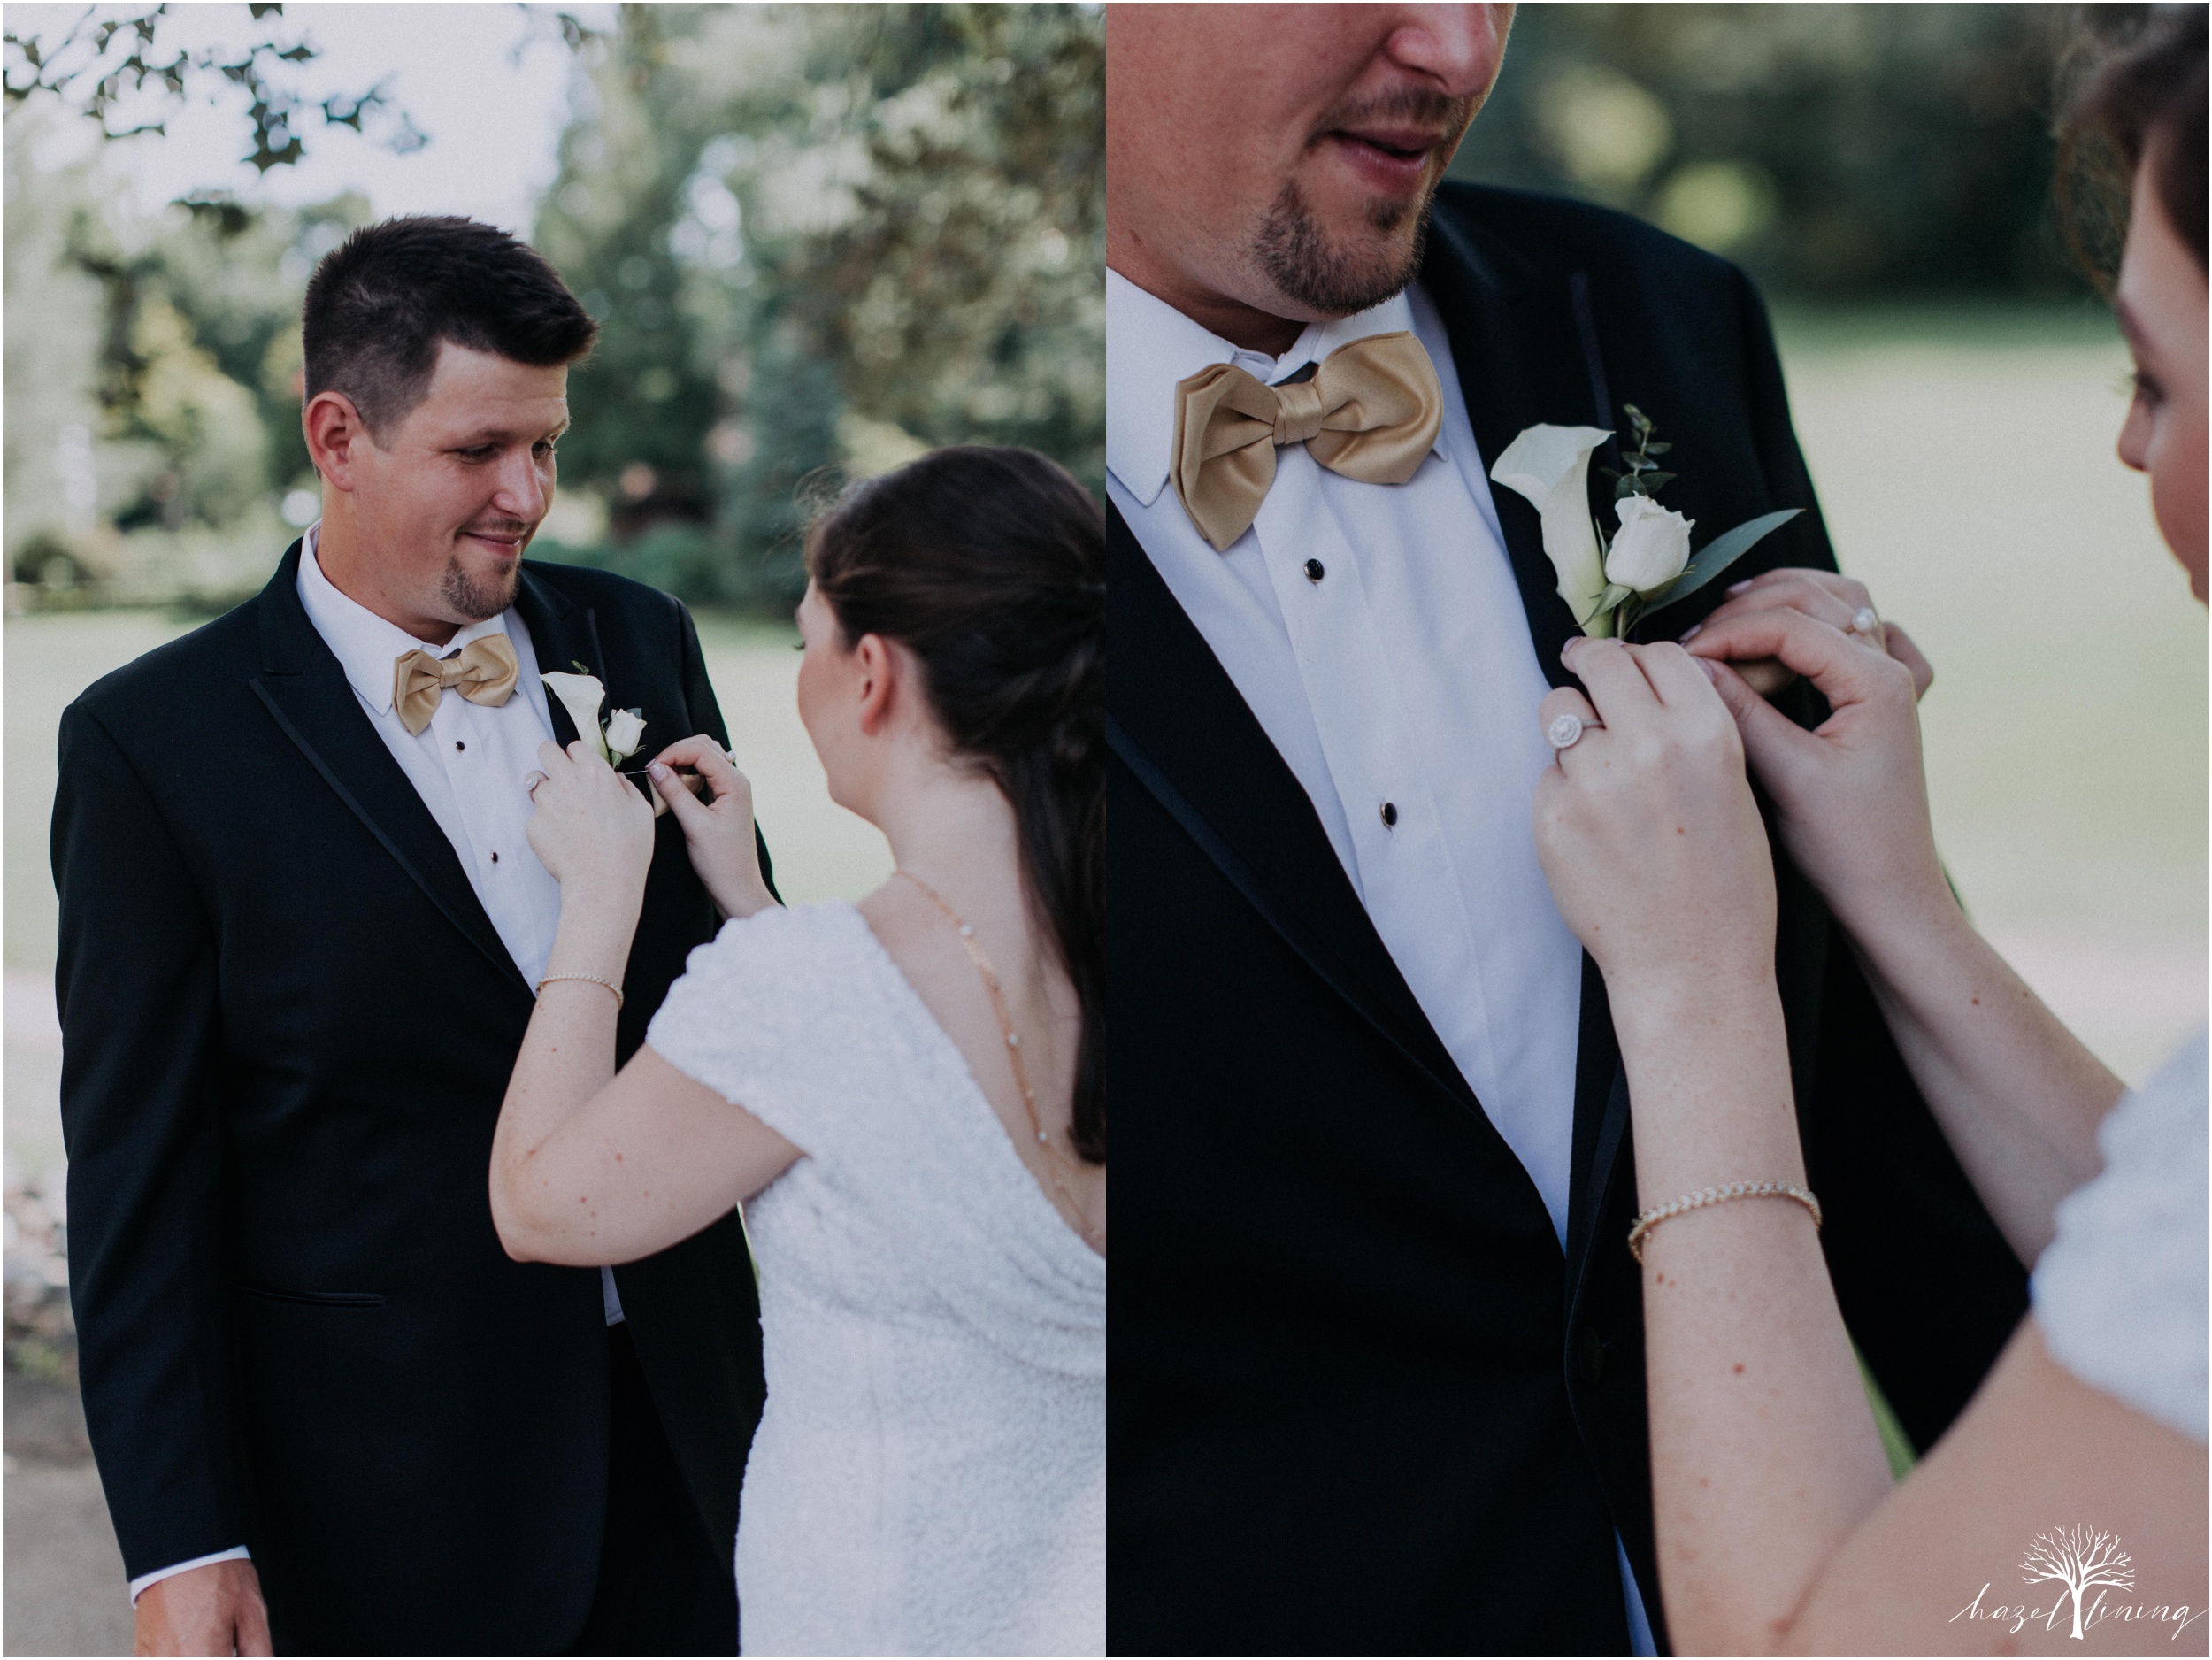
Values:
[(1404, 676), (467, 765)]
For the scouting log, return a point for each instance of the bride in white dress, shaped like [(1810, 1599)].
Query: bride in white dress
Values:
[(909, 1090)]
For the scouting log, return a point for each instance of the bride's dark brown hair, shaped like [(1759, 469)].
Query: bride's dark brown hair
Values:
[(2140, 72), (989, 565)]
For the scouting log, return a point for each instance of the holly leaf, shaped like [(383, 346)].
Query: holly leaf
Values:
[(1718, 555)]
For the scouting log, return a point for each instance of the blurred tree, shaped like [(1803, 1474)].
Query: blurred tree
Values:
[(122, 67), (154, 409), (823, 236), (1834, 150)]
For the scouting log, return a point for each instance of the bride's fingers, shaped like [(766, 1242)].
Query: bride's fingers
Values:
[(1608, 674), (1564, 700), (1847, 670), (707, 758), (675, 795), (1773, 744), (1901, 647), (1794, 590), (1846, 591), (1675, 676)]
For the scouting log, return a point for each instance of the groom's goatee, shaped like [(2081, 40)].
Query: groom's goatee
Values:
[(1294, 249), (1301, 262), (478, 599)]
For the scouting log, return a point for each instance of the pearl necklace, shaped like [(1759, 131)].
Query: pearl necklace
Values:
[(1055, 1160)]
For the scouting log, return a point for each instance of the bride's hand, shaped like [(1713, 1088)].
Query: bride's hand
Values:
[(1825, 597), (725, 850), (590, 829), (1853, 799), (1649, 836)]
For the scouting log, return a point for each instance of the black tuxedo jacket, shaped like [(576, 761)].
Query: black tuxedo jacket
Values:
[(1362, 1404), (288, 1026)]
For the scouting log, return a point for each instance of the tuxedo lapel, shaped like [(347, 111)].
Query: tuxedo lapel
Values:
[(563, 635), (1177, 722), (1525, 356), (305, 690), (1519, 356)]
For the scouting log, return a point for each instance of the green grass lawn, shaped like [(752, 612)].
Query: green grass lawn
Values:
[(1969, 478)]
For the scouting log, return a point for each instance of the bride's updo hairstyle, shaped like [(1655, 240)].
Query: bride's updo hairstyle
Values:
[(989, 565), (2140, 71)]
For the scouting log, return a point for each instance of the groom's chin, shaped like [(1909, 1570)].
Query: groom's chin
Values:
[(480, 594), (1335, 262)]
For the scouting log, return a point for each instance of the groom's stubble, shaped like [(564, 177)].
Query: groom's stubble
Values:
[(478, 598), (1337, 277)]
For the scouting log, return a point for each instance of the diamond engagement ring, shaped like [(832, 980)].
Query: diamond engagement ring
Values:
[(1866, 625), (1566, 731)]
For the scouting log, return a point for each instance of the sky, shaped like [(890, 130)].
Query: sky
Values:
[(488, 82)]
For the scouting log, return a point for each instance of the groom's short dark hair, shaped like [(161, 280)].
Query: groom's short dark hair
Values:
[(382, 301)]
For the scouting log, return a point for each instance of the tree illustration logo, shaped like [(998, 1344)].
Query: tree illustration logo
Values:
[(2078, 1558)]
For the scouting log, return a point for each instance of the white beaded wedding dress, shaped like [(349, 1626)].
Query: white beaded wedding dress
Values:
[(929, 1476)]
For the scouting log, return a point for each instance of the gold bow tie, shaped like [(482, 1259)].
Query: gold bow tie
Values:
[(1372, 412), (484, 670)]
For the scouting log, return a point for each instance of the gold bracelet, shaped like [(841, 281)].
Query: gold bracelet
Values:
[(594, 978), (1653, 1217)]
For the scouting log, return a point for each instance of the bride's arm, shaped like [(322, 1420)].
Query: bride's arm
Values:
[(2016, 1093), (589, 1166), (1778, 1530)]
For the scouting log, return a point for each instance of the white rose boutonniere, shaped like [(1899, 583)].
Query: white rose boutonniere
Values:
[(1612, 586), (1650, 549), (617, 737)]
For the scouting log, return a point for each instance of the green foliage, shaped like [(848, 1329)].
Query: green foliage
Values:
[(823, 237), (1843, 150), (154, 402), (1643, 476), (112, 63)]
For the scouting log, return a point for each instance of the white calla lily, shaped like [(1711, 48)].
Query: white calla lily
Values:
[(1651, 548), (581, 694), (626, 728), (1550, 465)]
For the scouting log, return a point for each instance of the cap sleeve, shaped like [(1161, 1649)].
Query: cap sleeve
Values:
[(763, 1015), (2121, 1292)]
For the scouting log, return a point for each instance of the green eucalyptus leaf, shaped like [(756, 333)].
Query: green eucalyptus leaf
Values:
[(1723, 551), (1657, 450), (1637, 417), (1630, 485), (1653, 481)]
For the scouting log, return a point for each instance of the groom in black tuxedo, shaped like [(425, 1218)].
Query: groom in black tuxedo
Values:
[(300, 930), (1377, 1354)]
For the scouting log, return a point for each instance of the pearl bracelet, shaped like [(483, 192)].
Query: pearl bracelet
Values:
[(594, 978), (1653, 1217)]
